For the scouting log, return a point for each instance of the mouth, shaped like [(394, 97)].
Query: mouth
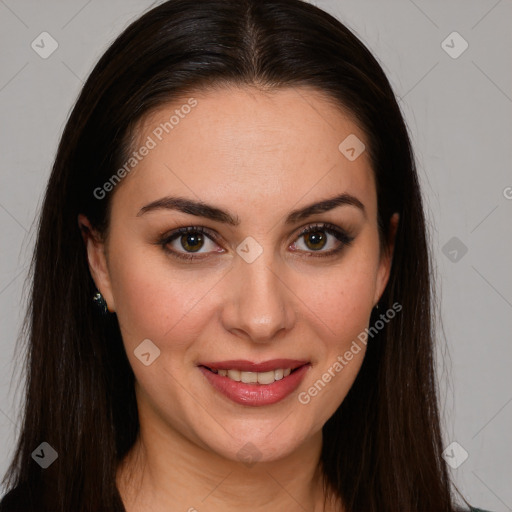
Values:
[(255, 384)]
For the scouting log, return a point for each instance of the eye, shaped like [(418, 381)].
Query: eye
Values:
[(315, 240), (186, 243), (191, 239)]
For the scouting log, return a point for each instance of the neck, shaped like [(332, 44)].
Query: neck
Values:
[(165, 471)]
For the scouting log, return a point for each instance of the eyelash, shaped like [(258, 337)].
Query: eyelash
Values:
[(345, 239)]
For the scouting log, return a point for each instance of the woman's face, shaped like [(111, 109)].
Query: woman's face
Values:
[(255, 289)]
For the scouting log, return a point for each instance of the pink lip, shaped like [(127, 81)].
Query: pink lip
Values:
[(256, 394), (249, 366)]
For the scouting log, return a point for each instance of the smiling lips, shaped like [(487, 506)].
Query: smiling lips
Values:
[(255, 384)]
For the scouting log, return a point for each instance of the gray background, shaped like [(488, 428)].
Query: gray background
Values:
[(459, 114)]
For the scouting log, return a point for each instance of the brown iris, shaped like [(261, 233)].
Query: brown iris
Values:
[(318, 239), (192, 241)]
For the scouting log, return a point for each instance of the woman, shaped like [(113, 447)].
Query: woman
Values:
[(231, 302)]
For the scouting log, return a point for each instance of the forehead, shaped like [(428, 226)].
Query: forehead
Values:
[(242, 144)]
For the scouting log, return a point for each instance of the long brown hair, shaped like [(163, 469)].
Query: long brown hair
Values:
[(382, 449)]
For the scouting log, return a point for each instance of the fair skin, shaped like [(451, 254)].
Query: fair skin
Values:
[(258, 156)]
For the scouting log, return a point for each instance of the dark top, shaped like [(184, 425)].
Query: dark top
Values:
[(20, 500), (16, 501)]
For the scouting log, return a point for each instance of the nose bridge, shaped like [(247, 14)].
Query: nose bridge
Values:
[(261, 304)]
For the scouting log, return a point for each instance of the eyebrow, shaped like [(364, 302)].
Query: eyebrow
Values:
[(201, 209)]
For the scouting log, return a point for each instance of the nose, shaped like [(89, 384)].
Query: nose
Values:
[(259, 305)]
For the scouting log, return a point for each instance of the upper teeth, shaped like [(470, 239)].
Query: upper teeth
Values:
[(255, 377)]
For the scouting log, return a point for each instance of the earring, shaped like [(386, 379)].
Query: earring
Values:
[(100, 301), (376, 306)]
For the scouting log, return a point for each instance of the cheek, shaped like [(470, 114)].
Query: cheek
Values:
[(339, 309), (341, 297), (156, 300), (344, 302)]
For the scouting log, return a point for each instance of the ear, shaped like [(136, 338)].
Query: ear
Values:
[(96, 257), (386, 259)]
